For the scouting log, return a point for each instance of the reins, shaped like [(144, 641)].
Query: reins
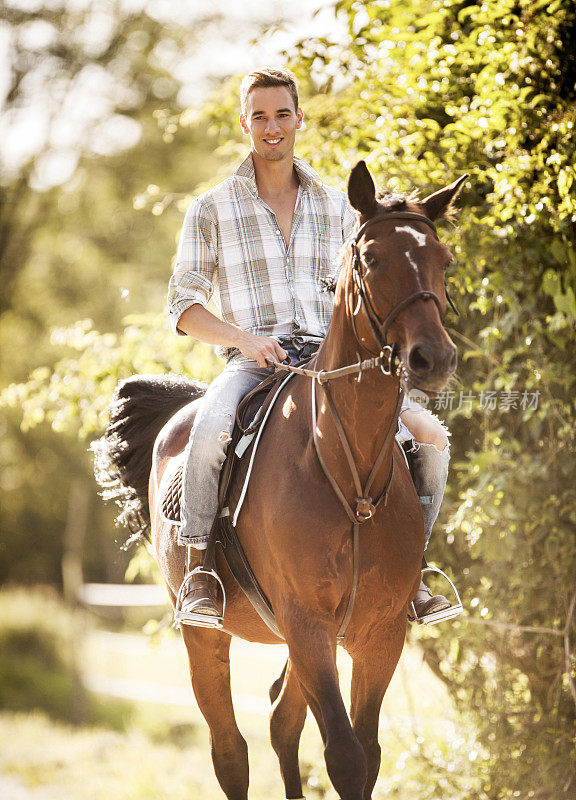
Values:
[(323, 375)]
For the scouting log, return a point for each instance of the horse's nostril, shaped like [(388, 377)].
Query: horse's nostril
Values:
[(419, 360)]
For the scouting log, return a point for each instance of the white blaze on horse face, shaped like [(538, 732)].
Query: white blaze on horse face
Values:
[(420, 239), (411, 261)]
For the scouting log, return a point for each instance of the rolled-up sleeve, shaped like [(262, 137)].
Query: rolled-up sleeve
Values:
[(196, 263)]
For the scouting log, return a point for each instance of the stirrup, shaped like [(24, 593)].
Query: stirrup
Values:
[(190, 617), (445, 614)]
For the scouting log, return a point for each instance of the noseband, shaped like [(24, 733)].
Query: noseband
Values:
[(380, 328)]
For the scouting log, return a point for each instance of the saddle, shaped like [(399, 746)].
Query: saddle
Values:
[(251, 416)]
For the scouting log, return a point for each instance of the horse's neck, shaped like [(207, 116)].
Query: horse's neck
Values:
[(366, 409)]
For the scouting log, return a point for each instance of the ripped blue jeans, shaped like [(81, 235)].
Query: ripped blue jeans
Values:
[(207, 445)]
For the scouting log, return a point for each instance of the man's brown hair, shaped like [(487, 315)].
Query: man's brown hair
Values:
[(263, 79)]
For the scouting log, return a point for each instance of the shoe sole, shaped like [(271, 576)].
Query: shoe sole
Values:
[(440, 616), (199, 620)]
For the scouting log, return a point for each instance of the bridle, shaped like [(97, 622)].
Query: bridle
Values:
[(380, 327), (365, 506)]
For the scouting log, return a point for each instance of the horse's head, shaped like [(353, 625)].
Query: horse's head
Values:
[(397, 294)]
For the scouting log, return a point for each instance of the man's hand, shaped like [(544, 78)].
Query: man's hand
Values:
[(200, 323), (262, 349)]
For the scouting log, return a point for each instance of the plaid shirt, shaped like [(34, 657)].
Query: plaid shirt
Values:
[(231, 245)]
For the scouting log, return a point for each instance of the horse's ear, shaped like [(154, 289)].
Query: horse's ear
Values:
[(361, 190), (439, 204)]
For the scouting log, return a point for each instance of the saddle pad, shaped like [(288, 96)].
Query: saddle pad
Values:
[(170, 506)]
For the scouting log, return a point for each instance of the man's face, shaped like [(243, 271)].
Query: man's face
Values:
[(271, 121)]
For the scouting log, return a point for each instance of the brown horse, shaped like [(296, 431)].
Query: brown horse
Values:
[(292, 526)]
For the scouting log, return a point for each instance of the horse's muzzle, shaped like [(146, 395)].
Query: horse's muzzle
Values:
[(428, 365)]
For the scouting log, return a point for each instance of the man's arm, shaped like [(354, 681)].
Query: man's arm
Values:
[(191, 287), (200, 323)]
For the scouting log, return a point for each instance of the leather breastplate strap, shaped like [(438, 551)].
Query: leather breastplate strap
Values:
[(365, 505)]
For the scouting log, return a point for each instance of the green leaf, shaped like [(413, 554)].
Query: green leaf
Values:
[(551, 283), (558, 250)]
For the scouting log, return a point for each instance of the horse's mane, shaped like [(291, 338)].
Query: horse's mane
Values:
[(395, 201)]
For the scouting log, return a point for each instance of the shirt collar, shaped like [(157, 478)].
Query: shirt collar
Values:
[(306, 175)]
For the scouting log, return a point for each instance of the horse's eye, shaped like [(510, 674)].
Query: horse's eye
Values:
[(370, 261)]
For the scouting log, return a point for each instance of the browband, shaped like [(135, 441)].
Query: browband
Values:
[(386, 215)]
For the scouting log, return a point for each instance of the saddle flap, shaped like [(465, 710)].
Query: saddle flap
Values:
[(252, 407)]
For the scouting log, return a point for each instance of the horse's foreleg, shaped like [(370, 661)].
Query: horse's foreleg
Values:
[(313, 657), (371, 674), (286, 723), (209, 659)]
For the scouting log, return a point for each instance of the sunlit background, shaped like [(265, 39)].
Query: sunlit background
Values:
[(113, 116)]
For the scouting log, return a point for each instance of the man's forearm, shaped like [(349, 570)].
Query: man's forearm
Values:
[(200, 323)]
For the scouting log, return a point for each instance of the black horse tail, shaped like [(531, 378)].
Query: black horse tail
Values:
[(140, 407)]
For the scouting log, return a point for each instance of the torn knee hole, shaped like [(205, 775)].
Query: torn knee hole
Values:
[(434, 445)]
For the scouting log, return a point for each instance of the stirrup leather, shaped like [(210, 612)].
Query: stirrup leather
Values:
[(190, 617), (445, 614)]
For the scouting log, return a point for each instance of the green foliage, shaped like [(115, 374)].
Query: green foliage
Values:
[(60, 57), (73, 395), (68, 400), (437, 89), (39, 640), (101, 98)]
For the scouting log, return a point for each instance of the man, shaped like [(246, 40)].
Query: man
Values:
[(265, 237)]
